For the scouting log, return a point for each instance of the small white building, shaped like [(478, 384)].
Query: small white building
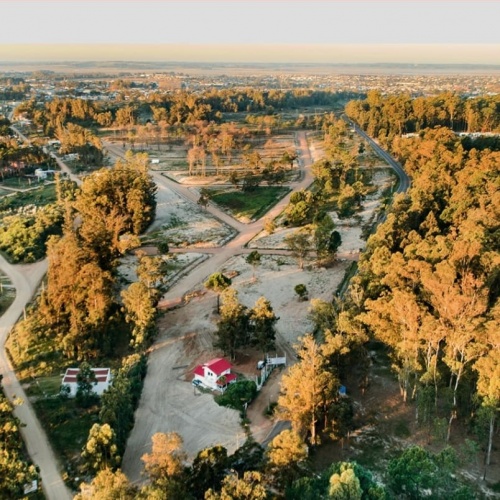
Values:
[(215, 374), (102, 380), (43, 174)]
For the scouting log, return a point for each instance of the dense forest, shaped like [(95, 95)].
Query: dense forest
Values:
[(430, 275)]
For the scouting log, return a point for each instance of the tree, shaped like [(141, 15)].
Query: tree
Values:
[(108, 485), (15, 470), (262, 323), (166, 457), (345, 486), (250, 487), (207, 470), (217, 282), (299, 244), (413, 471), (322, 234), (100, 451), (150, 271), (286, 455), (139, 309), (85, 382), (253, 258), (334, 242), (307, 390), (232, 328), (238, 395), (269, 226), (488, 384)]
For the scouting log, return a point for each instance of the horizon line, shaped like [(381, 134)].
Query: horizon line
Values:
[(361, 53)]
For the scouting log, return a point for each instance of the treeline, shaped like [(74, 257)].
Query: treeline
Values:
[(387, 116), (172, 108), (281, 471), (429, 283)]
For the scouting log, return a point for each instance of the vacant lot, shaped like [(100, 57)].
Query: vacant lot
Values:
[(170, 403)]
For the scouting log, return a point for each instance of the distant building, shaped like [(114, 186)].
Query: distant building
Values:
[(215, 374), (102, 380)]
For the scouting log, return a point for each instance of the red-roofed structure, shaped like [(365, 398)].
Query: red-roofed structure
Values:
[(215, 374), (102, 380)]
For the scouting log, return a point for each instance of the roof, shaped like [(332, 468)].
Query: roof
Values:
[(101, 375), (227, 379), (199, 371), (218, 365)]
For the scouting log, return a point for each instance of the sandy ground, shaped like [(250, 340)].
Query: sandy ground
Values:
[(184, 223), (169, 402)]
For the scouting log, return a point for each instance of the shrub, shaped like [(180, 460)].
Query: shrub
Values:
[(237, 394)]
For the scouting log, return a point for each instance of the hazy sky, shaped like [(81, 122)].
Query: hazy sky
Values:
[(265, 30)]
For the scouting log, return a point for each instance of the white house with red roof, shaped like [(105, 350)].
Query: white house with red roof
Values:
[(102, 380), (215, 374)]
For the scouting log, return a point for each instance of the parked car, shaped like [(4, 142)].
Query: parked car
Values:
[(197, 383)]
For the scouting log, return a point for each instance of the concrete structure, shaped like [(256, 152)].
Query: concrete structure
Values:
[(102, 377), (215, 374)]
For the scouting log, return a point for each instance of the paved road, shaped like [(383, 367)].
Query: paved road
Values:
[(25, 279), (404, 180)]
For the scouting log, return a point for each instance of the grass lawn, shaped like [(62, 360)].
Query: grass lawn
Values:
[(67, 426), (19, 182), (39, 196), (248, 205)]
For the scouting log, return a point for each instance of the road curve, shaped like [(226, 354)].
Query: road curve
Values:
[(404, 180), (26, 279)]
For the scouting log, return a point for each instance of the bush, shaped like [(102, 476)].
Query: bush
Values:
[(217, 282), (301, 291), (237, 394)]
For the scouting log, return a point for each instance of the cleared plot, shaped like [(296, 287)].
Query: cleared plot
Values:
[(184, 224), (169, 402)]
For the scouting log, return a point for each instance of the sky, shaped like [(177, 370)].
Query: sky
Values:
[(330, 31)]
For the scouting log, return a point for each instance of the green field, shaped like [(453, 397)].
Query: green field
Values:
[(40, 196), (248, 205)]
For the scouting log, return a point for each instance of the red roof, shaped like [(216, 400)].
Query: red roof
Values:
[(199, 371), (101, 375), (218, 365), (227, 379)]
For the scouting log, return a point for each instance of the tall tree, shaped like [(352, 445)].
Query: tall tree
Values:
[(100, 451), (262, 322), (232, 328), (307, 390), (166, 457)]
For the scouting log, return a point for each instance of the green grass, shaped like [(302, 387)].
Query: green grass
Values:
[(39, 196), (248, 205), (67, 425), (19, 182), (45, 386)]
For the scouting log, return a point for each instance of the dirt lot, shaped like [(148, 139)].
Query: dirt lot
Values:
[(169, 402)]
